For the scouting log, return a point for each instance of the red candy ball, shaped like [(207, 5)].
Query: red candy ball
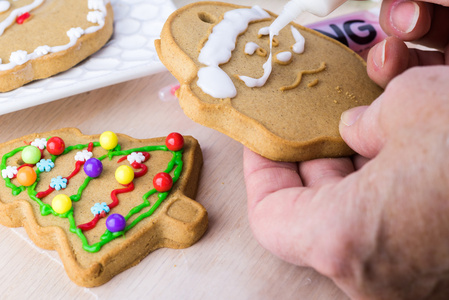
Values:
[(162, 182), (174, 141), (55, 145)]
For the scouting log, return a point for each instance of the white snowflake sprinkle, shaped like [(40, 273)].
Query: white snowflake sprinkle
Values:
[(136, 157), (9, 172), (40, 143), (83, 155)]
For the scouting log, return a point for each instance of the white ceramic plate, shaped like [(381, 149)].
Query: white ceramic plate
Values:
[(130, 54)]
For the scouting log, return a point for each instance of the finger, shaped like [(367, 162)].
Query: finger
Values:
[(392, 57), (264, 177), (360, 129), (359, 161), (324, 171), (423, 21)]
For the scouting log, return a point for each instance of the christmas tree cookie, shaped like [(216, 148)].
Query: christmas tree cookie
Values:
[(104, 202)]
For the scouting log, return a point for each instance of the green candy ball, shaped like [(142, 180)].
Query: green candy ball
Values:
[(31, 155)]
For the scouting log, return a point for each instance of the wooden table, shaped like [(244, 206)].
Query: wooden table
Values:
[(227, 263)]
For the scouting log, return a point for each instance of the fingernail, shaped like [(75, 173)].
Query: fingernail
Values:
[(379, 54), (350, 116), (404, 16)]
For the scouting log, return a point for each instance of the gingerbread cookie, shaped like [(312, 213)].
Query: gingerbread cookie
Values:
[(103, 202), (282, 102), (40, 38)]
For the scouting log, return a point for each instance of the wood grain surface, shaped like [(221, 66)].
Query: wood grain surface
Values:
[(227, 263)]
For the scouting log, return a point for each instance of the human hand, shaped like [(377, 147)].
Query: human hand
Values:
[(376, 224), (378, 229), (421, 22)]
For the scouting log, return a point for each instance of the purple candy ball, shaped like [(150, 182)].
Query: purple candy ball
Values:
[(93, 167), (115, 223)]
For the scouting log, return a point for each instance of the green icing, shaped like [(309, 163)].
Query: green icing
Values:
[(175, 165)]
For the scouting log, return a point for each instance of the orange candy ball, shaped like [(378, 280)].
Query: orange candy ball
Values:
[(26, 176)]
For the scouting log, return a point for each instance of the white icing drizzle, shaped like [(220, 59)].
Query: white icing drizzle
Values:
[(222, 41), (251, 47), (216, 83), (4, 6), (284, 56), (298, 47), (258, 82), (218, 50), (20, 57), (264, 31)]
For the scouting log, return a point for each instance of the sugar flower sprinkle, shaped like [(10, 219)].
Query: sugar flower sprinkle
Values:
[(9, 172), (83, 155), (136, 157), (40, 143)]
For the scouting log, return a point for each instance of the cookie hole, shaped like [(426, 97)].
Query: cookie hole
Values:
[(206, 17)]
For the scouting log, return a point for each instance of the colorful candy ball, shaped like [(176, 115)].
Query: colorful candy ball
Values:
[(55, 145), (115, 223), (93, 167), (162, 182), (26, 176), (174, 141), (31, 155), (108, 140), (124, 174), (61, 203)]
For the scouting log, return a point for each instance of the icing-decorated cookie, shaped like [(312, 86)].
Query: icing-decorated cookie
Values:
[(40, 38), (282, 102), (103, 210)]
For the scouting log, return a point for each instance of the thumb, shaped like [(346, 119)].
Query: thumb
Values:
[(360, 129)]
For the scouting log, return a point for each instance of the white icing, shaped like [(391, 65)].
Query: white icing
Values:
[(218, 50), (284, 56), (258, 82), (222, 41), (20, 57), (298, 47), (251, 47), (95, 16), (4, 6), (41, 50), (216, 83), (264, 31), (95, 4)]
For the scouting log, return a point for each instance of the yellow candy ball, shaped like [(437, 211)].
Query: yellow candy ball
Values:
[(108, 140), (124, 174), (61, 203)]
